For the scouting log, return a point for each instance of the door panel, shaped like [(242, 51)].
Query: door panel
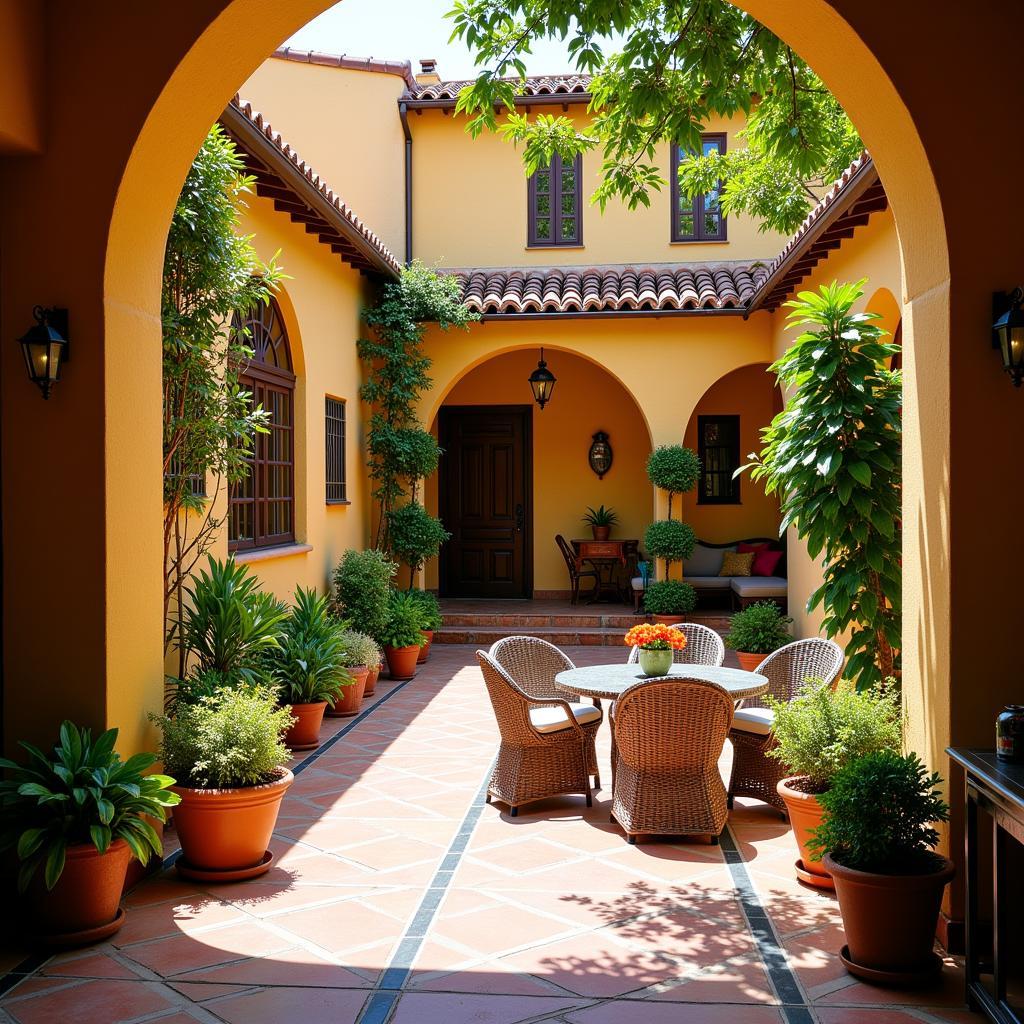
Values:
[(484, 501)]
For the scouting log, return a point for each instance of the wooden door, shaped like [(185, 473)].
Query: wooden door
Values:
[(484, 501)]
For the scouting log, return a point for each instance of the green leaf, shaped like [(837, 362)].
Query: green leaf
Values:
[(100, 835), (54, 863), (30, 841), (861, 472)]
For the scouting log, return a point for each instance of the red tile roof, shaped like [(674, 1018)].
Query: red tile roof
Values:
[(550, 88), (720, 286), (402, 68)]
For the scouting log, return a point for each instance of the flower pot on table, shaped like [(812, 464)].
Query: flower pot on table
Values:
[(654, 662)]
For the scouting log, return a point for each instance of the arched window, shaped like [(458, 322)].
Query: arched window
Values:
[(262, 505)]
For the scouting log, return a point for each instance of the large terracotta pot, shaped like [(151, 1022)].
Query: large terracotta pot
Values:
[(84, 905), (304, 732), (601, 532), (425, 649), (351, 699), (890, 921), (402, 661), (805, 815), (371, 681), (750, 662), (228, 829), (667, 620)]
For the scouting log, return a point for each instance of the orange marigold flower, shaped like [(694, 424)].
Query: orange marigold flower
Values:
[(655, 635)]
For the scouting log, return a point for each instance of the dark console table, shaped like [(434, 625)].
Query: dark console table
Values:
[(994, 838)]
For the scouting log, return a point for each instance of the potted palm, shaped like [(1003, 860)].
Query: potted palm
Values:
[(74, 822), (358, 651), (430, 620), (667, 601), (226, 749), (757, 631), (601, 520), (402, 636), (878, 843), (308, 665), (816, 735)]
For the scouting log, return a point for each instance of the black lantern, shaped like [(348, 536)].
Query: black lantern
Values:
[(1008, 333), (600, 456), (542, 382), (45, 347)]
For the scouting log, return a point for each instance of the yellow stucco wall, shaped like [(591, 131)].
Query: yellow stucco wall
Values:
[(470, 207), (345, 123), (22, 59)]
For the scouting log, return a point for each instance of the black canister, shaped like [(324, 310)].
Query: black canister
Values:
[(1010, 734)]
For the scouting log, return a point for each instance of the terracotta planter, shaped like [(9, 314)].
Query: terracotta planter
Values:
[(667, 620), (351, 699), (805, 815), (750, 662), (425, 649), (84, 905), (371, 681), (402, 661), (228, 830), (890, 921), (601, 532), (304, 734)]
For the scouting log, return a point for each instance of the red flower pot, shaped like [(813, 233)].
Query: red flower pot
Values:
[(805, 815), (425, 649), (750, 662), (304, 733), (667, 620), (601, 532), (371, 681), (351, 699), (402, 661)]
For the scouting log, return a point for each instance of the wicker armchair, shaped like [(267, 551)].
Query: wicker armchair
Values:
[(669, 734), (753, 772), (532, 664), (575, 573), (703, 647), (544, 743)]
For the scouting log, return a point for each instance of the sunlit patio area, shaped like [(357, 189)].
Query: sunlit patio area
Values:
[(398, 894)]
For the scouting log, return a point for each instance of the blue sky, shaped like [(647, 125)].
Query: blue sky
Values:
[(408, 30)]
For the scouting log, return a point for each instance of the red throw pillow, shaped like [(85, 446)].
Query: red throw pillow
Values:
[(765, 562), (744, 548)]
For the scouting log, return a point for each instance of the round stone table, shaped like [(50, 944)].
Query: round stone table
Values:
[(610, 681)]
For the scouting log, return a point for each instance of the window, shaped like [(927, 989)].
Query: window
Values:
[(196, 481), (334, 428), (718, 445), (555, 207), (699, 220), (262, 504)]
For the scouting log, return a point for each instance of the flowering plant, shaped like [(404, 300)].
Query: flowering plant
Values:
[(656, 637)]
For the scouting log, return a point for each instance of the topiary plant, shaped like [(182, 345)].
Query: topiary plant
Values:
[(821, 731), (669, 597), (415, 535), (673, 468), (671, 540), (879, 814), (362, 585), (759, 628)]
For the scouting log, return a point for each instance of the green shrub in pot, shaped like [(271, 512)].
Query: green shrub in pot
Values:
[(430, 608), (362, 587), (669, 597), (359, 649), (415, 536), (670, 539), (405, 621), (760, 628)]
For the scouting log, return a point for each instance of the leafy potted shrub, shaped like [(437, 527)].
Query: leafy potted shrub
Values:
[(657, 644), (362, 587), (228, 754), (430, 619), (601, 520), (74, 822), (817, 734), (415, 535), (667, 601), (402, 637), (756, 631), (308, 666), (358, 651), (878, 843)]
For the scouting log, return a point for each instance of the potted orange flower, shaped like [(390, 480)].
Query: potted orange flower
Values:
[(656, 643)]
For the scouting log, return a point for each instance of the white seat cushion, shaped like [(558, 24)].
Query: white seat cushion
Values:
[(759, 721), (637, 582), (759, 586), (708, 582), (552, 719)]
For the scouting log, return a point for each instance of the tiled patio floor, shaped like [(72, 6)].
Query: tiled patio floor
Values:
[(398, 896)]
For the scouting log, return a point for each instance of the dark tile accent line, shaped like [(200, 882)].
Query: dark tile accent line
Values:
[(773, 956), (395, 976), (17, 974)]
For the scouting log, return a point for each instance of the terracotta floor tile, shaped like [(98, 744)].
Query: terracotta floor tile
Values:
[(738, 984), (173, 918), (423, 1008), (92, 965), (492, 930), (491, 978), (107, 1001), (297, 967), (341, 925), (308, 1005), (611, 1013)]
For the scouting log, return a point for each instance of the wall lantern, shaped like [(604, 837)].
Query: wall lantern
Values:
[(601, 454), (542, 382), (45, 347), (1008, 332)]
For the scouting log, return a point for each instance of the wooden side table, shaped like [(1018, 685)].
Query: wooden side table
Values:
[(611, 558)]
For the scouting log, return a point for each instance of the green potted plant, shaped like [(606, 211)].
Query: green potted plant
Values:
[(601, 520), (672, 541), (430, 619), (308, 666), (879, 843), (673, 468), (227, 752), (757, 631), (415, 535), (358, 652), (362, 587), (402, 636), (667, 601), (816, 735), (74, 821)]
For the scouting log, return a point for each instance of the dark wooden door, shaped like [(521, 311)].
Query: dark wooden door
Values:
[(484, 501)]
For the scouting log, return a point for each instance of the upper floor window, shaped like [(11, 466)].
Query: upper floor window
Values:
[(555, 204), (699, 219), (718, 445), (334, 434), (262, 504)]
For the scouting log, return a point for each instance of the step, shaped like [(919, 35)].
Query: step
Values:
[(537, 620), (562, 635)]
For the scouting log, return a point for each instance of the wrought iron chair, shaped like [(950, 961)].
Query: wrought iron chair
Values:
[(703, 647), (544, 744), (575, 573), (753, 772)]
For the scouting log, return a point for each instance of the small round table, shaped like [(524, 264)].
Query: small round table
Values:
[(610, 681)]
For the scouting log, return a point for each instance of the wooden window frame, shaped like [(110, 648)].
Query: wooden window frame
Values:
[(733, 498), (699, 234), (335, 476), (556, 240)]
